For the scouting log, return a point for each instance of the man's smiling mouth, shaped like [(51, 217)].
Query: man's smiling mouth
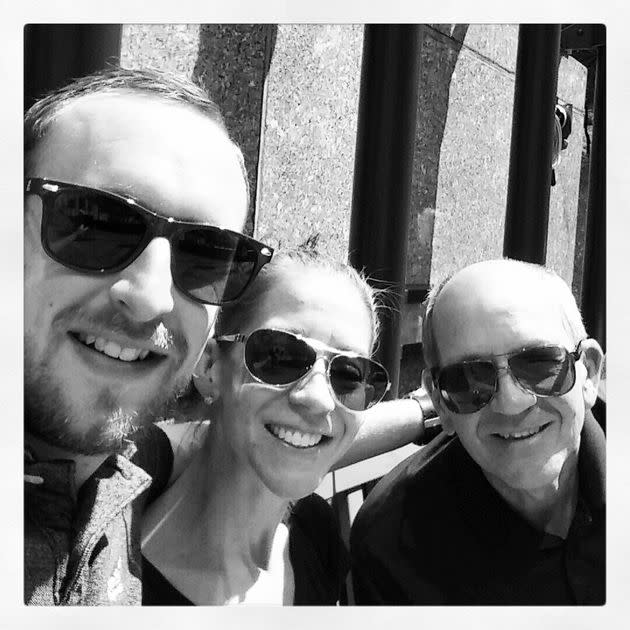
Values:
[(522, 435), (113, 349)]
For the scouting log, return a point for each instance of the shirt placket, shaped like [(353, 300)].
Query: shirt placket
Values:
[(112, 489)]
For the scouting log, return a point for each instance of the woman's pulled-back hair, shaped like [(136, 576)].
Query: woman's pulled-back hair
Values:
[(236, 316)]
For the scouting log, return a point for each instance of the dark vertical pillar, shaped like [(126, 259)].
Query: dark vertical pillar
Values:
[(529, 183), (56, 53), (383, 168), (594, 282)]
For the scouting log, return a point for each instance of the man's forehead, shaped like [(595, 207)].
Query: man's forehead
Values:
[(493, 310), (165, 154)]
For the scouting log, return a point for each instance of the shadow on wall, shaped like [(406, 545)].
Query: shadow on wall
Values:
[(439, 52), (232, 64)]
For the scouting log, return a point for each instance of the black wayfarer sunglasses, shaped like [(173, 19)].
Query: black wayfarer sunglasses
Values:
[(100, 232), (469, 386), (281, 358)]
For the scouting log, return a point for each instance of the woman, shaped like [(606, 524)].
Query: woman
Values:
[(289, 375)]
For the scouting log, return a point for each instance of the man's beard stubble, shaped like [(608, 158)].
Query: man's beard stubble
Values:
[(49, 416)]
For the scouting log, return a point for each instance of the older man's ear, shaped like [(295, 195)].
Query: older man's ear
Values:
[(445, 421), (592, 356)]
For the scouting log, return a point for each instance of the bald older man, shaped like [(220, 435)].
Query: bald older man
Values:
[(511, 511)]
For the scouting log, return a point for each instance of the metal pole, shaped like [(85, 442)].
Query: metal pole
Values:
[(56, 53), (594, 283), (529, 183), (383, 167)]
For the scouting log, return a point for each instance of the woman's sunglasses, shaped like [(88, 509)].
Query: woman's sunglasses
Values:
[(469, 386), (281, 358), (99, 232)]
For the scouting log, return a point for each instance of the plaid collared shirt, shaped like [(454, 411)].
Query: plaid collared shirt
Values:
[(85, 550)]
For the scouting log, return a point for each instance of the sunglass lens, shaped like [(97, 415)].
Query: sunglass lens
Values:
[(213, 265), (467, 387), (277, 358), (358, 382), (91, 231), (547, 371)]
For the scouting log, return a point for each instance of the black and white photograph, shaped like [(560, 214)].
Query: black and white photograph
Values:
[(314, 314)]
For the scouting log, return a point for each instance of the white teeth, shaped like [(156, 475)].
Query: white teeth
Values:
[(112, 349), (295, 438), (129, 354), (520, 435)]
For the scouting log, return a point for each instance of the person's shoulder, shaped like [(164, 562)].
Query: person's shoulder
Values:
[(312, 519), (419, 477), (154, 454), (312, 511)]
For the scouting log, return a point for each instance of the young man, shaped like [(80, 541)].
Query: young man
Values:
[(513, 510), (125, 173)]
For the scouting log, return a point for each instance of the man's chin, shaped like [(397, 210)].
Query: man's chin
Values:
[(102, 426), (108, 435)]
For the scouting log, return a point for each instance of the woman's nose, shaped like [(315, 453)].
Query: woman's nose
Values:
[(313, 391)]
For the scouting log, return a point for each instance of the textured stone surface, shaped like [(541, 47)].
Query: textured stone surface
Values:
[(438, 56), (472, 190), (228, 60), (496, 42), (290, 95), (474, 163), (309, 134), (572, 82), (231, 64), (564, 197), (171, 47)]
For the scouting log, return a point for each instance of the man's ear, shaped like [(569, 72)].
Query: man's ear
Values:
[(593, 358), (427, 383), (206, 375)]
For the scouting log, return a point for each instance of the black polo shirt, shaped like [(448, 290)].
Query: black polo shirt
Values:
[(437, 532)]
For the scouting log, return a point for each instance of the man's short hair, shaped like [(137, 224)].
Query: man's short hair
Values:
[(565, 301), (165, 85)]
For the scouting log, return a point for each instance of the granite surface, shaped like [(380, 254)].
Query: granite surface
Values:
[(170, 47), (290, 94), (309, 133), (228, 60)]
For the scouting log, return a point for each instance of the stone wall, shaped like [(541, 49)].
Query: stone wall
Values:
[(290, 96)]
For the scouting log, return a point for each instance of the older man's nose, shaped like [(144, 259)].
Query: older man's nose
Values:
[(144, 289), (510, 397)]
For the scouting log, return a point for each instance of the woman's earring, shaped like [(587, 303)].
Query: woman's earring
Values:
[(203, 384)]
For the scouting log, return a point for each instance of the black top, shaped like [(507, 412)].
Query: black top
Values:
[(439, 533), (318, 557)]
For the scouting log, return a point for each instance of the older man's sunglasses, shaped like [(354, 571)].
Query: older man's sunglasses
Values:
[(281, 358), (100, 232), (469, 386)]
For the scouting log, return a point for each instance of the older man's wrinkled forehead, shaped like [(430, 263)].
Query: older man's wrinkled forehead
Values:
[(166, 154), (493, 307)]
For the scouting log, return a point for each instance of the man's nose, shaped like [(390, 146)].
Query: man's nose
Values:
[(313, 392), (144, 289), (510, 398)]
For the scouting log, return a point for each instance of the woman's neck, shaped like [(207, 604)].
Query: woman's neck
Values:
[(230, 520)]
